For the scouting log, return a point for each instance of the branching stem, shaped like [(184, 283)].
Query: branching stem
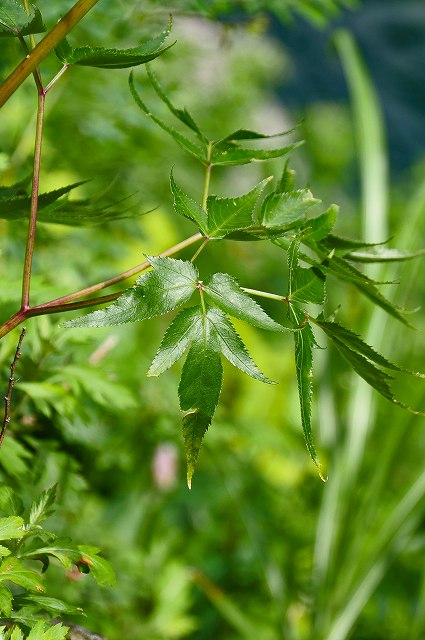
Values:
[(266, 294), (8, 396)]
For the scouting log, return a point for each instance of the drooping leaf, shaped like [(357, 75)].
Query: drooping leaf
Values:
[(105, 58), (12, 570), (226, 215), (232, 347), (223, 290), (6, 598), (100, 568), (42, 508), (342, 245), (11, 528), (232, 154), (182, 141), (181, 114), (186, 326), (185, 206), (199, 390), (169, 285), (62, 549), (283, 211), (15, 21)]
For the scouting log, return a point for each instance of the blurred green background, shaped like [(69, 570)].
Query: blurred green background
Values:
[(260, 547)]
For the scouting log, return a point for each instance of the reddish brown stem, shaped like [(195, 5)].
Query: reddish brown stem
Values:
[(8, 396)]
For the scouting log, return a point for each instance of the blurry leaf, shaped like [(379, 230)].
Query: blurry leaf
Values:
[(100, 569), (247, 134), (10, 502), (182, 114), (185, 206), (199, 390), (18, 635), (11, 527), (225, 292), (287, 210), (42, 509), (14, 20), (17, 189), (179, 335), (320, 227), (232, 347), (15, 458), (14, 571), (5, 600), (231, 214), (169, 285), (235, 155), (17, 207), (182, 141), (384, 255), (4, 551), (113, 58)]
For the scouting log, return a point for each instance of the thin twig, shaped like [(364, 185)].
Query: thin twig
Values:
[(8, 395)]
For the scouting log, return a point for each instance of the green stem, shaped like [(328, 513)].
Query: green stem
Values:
[(266, 294), (49, 42), (26, 281), (199, 249), (207, 177)]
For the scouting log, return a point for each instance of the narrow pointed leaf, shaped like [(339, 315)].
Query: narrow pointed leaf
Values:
[(232, 347), (235, 155), (287, 210), (344, 245), (384, 255), (226, 215), (304, 343), (105, 58), (15, 22), (185, 206), (186, 327), (224, 291), (199, 390), (320, 227), (42, 508), (182, 114), (18, 207), (169, 285), (247, 134), (182, 141)]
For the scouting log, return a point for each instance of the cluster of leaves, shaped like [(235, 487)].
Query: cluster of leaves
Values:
[(280, 216), (25, 542)]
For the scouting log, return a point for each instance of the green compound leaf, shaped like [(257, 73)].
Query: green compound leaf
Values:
[(304, 343), (169, 285), (232, 154), (226, 215), (223, 290), (186, 327), (185, 206), (11, 528), (283, 211), (15, 22), (199, 390), (104, 58), (182, 141), (6, 598), (232, 347), (12, 570), (181, 114)]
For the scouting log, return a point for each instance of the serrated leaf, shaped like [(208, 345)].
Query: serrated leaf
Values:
[(320, 227), (44, 631), (226, 215), (225, 292), (105, 58), (185, 206), (186, 326), (53, 605), (17, 207), (232, 347), (384, 255), (337, 331), (235, 155), (14, 571), (101, 569), (11, 528), (342, 245), (199, 390), (6, 598), (42, 508), (182, 141), (15, 22), (304, 343), (305, 285), (181, 114), (10, 502), (284, 211), (248, 134), (169, 285)]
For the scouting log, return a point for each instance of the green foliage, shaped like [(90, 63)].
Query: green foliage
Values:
[(16, 22)]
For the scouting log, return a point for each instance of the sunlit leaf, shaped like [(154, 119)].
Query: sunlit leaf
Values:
[(11, 527), (286, 210)]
